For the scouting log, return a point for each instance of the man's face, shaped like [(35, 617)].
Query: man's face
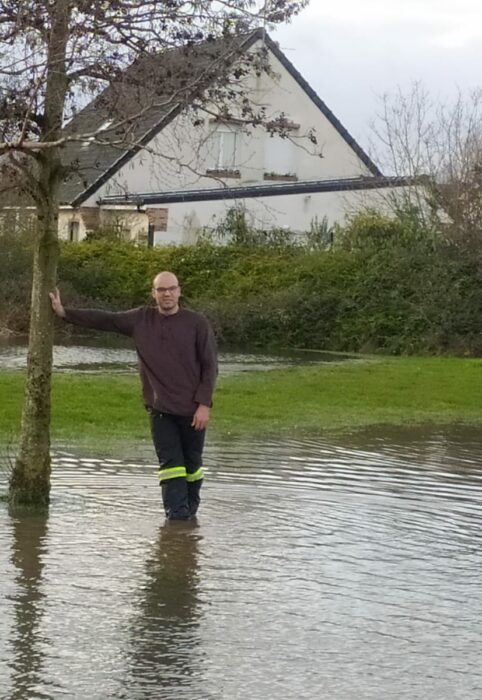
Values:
[(166, 292)]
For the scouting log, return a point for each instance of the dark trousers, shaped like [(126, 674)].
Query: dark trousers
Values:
[(179, 451)]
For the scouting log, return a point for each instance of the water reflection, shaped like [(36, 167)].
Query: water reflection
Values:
[(318, 567), (29, 535), (164, 640)]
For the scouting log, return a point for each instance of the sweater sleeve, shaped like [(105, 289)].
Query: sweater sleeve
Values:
[(117, 322), (208, 360)]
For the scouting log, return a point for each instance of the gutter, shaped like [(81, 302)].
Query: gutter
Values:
[(140, 199)]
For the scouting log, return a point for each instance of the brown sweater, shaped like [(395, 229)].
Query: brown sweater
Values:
[(177, 353)]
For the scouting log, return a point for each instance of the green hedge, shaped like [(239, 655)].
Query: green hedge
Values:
[(15, 280), (386, 285)]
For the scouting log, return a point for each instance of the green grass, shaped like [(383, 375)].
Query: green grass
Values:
[(306, 400), (331, 397)]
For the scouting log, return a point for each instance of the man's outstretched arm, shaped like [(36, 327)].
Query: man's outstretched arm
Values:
[(116, 322)]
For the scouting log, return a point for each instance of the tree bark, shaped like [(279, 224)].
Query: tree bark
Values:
[(30, 479)]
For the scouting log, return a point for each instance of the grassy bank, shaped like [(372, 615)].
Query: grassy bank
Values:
[(99, 410)]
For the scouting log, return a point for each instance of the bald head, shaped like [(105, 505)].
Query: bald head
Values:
[(166, 292), (165, 279)]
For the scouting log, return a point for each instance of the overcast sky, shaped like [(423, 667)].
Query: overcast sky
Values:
[(352, 51)]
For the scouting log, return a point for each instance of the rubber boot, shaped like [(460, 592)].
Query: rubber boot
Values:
[(193, 494), (175, 499)]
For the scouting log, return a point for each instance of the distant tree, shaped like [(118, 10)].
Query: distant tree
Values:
[(56, 54), (440, 143)]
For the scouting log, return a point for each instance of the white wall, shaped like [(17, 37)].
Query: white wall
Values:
[(295, 212), (134, 223)]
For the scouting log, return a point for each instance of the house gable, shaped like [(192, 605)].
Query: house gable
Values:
[(126, 169), (324, 109), (169, 79)]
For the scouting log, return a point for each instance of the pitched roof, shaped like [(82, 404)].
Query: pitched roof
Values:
[(150, 94), (137, 106)]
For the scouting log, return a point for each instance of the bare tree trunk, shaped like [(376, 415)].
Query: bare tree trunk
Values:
[(30, 480)]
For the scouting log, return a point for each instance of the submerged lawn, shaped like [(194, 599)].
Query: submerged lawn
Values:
[(394, 391)]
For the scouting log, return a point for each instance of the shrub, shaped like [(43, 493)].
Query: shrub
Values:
[(389, 285), (16, 254)]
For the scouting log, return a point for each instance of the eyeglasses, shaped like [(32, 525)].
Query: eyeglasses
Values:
[(163, 290)]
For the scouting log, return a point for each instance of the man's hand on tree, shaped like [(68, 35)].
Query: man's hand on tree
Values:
[(57, 307)]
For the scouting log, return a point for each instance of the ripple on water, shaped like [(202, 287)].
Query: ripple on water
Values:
[(315, 568)]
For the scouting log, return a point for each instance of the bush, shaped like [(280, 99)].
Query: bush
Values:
[(16, 254), (388, 285)]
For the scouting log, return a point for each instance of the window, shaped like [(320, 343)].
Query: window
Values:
[(222, 150), (279, 156), (74, 231)]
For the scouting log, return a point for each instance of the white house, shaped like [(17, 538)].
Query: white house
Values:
[(178, 177)]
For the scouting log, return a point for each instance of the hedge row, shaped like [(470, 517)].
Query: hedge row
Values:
[(387, 285)]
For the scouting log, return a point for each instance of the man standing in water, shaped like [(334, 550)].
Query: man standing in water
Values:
[(178, 369)]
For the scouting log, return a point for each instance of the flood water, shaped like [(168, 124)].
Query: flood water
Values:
[(339, 569), (110, 353)]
